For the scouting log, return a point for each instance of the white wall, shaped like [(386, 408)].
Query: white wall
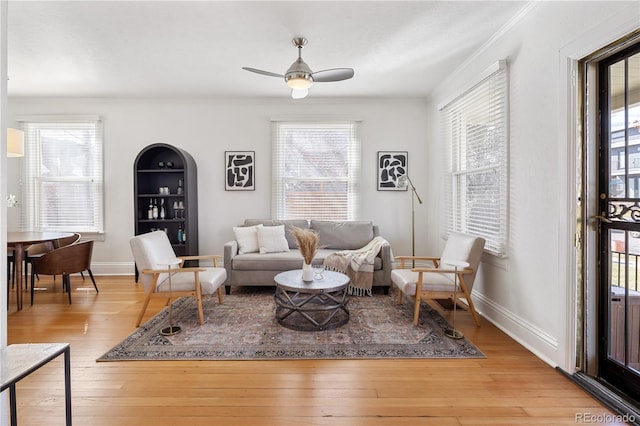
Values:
[(526, 293), (206, 128)]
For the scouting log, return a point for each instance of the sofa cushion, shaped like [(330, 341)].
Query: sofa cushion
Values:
[(287, 232), (283, 261), (349, 235), (247, 238), (271, 239)]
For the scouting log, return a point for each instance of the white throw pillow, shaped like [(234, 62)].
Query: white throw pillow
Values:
[(271, 239), (247, 238)]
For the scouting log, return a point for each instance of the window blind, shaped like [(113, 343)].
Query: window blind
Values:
[(475, 131), (63, 174), (315, 170)]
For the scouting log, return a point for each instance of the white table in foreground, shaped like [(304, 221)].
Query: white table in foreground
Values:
[(311, 306), (20, 360)]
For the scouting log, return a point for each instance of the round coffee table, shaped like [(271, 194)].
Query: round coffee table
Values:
[(311, 306)]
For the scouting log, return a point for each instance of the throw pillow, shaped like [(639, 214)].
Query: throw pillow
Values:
[(271, 239), (247, 238)]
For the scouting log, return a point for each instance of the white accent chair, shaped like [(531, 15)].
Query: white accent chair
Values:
[(153, 253), (438, 282)]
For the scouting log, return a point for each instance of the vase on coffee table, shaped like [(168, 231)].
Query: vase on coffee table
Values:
[(307, 272)]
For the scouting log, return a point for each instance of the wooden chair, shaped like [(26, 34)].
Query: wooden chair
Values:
[(35, 251), (67, 260), (438, 282), (152, 253), (61, 242)]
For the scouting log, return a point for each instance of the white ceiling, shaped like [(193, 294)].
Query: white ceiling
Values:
[(197, 48)]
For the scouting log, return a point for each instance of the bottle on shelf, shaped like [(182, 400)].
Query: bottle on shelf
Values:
[(150, 211), (175, 210), (162, 212), (155, 209), (180, 189), (180, 233), (180, 209)]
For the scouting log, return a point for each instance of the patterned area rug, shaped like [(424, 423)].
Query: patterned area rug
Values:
[(244, 328)]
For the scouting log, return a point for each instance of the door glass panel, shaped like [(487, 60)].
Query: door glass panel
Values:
[(624, 210), (624, 301)]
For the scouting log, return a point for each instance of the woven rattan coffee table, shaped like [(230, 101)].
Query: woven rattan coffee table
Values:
[(311, 306)]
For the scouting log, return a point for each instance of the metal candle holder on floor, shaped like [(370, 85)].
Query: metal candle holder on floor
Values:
[(172, 329), (452, 332)]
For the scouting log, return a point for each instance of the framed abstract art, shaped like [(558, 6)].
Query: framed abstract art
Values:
[(391, 166), (239, 170)]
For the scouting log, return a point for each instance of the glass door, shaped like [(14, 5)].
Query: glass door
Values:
[(619, 231)]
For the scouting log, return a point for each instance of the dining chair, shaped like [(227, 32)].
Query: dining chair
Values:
[(67, 260), (61, 242), (153, 253), (439, 281), (32, 252)]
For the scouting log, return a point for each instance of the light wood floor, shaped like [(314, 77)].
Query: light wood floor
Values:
[(509, 387)]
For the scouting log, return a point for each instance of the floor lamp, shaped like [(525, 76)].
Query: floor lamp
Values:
[(404, 181), (452, 332), (172, 329)]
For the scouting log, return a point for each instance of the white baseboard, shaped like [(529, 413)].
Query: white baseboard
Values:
[(112, 268), (540, 343)]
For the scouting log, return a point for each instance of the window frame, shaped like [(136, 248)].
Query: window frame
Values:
[(31, 214), (458, 116), (280, 153)]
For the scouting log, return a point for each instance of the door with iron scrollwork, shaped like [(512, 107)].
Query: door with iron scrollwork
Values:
[(619, 231)]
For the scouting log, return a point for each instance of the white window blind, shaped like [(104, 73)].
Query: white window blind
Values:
[(475, 131), (63, 174), (315, 170)]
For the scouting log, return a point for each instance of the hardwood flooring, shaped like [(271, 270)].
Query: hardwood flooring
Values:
[(510, 387)]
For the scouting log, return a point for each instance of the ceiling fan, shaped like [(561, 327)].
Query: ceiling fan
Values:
[(299, 76)]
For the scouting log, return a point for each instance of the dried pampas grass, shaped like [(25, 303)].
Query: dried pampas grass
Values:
[(307, 242)]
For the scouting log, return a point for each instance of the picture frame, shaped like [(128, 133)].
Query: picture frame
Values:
[(391, 166), (239, 170)]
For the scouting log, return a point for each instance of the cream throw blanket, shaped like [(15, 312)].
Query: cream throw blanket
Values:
[(357, 264)]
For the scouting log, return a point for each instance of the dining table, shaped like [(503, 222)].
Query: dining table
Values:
[(20, 240)]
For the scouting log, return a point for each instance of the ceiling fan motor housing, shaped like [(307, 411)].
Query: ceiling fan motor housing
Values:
[(298, 76)]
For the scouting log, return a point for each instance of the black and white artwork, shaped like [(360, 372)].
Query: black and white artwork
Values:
[(391, 166), (239, 170)]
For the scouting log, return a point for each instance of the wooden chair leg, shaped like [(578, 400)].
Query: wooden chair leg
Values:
[(399, 296), (32, 287), (144, 307), (220, 293), (199, 302), (472, 308), (416, 308), (68, 279), (92, 280)]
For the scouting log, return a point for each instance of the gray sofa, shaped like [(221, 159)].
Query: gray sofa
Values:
[(256, 269)]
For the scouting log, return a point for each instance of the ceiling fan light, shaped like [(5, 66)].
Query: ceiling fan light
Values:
[(303, 81)]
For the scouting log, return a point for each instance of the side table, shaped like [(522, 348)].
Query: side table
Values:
[(19, 360)]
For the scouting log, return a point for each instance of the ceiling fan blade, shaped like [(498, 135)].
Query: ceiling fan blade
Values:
[(335, 74), (299, 93), (257, 71)]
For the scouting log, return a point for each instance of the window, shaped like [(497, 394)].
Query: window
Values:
[(62, 176), (316, 170), (475, 134)]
